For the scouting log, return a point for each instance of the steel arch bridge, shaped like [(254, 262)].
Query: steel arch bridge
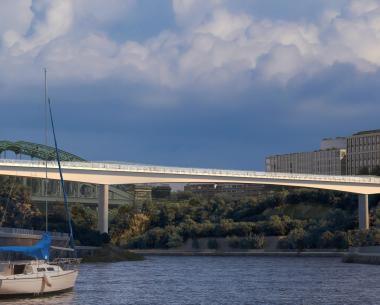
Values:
[(118, 194), (38, 151)]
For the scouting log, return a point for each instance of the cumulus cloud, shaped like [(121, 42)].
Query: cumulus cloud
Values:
[(213, 46), (56, 21), (192, 12)]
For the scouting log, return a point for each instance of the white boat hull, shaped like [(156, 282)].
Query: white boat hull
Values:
[(38, 284)]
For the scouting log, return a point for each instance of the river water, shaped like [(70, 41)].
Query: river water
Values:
[(221, 280)]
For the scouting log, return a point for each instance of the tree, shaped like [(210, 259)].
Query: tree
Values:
[(16, 209), (84, 216), (340, 240), (174, 240), (296, 239), (276, 226), (326, 240)]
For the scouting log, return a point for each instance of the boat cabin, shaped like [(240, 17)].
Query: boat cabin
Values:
[(26, 267)]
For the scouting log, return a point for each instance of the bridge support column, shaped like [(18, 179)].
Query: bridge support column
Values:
[(363, 212), (103, 208)]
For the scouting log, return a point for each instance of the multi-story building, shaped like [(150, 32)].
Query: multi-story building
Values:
[(363, 152), (162, 191), (329, 160)]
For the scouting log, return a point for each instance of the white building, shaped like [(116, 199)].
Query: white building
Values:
[(363, 152), (329, 160)]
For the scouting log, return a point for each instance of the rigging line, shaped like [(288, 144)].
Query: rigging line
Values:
[(68, 215), (45, 182)]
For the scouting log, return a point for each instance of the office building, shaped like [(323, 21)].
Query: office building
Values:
[(330, 159), (363, 152)]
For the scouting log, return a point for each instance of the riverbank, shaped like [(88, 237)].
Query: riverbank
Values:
[(162, 252), (362, 258), (363, 255), (107, 254)]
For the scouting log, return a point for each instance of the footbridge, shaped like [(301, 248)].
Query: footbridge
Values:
[(108, 173)]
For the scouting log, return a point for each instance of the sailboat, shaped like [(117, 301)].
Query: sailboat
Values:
[(40, 275), (37, 276)]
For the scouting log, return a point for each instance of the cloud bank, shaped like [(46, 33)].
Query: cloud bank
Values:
[(212, 45)]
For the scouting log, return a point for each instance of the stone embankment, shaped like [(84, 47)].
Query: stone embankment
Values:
[(201, 248), (163, 252), (363, 255)]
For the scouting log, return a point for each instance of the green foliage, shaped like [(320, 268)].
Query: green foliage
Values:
[(84, 216), (168, 237), (174, 240), (88, 237), (254, 241), (326, 240), (16, 209), (365, 238), (295, 240), (303, 215), (106, 239), (341, 240), (308, 219)]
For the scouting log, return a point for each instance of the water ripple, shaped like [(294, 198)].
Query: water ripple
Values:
[(221, 280)]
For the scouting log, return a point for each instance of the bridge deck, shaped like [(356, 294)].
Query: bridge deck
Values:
[(128, 173)]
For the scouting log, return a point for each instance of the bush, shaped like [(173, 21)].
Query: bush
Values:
[(295, 240), (326, 240), (174, 240), (252, 242), (276, 226), (212, 244), (106, 239), (88, 237), (364, 238), (341, 240)]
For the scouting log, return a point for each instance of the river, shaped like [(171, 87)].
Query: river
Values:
[(221, 280)]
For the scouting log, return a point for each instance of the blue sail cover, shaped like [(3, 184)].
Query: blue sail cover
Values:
[(40, 250)]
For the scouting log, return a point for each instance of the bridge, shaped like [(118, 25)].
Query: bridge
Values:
[(51, 192), (105, 174)]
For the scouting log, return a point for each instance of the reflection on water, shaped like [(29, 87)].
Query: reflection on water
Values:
[(221, 280)]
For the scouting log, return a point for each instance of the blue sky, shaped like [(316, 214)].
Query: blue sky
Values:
[(190, 82)]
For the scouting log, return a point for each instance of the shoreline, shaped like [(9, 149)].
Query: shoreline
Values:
[(242, 253), (346, 256)]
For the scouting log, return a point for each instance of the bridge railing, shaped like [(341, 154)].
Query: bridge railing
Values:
[(140, 168), (30, 232)]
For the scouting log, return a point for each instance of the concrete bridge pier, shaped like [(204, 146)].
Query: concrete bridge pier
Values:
[(103, 208), (363, 212)]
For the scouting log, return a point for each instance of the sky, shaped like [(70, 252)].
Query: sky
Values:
[(217, 83)]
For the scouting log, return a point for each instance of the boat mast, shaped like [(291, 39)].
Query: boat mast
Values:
[(46, 156), (68, 214)]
